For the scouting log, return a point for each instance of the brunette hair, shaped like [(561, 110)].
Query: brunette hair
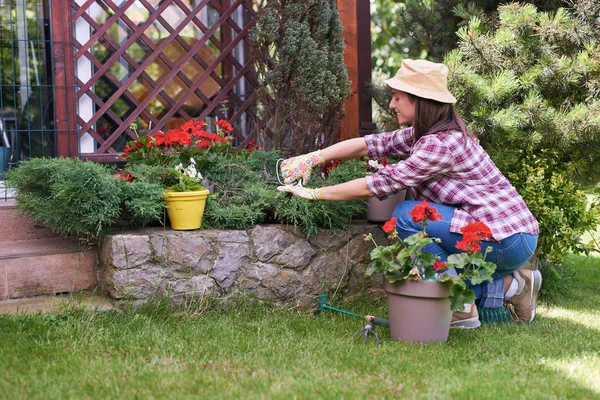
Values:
[(434, 117)]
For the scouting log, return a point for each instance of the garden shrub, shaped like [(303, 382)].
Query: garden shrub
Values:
[(142, 203), (298, 50), (561, 209), (246, 194), (528, 85), (312, 215), (532, 79), (82, 199), (71, 197)]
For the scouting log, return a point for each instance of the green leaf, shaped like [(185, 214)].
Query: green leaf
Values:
[(460, 295), (457, 260)]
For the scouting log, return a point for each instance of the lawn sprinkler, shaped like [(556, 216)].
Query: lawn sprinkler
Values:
[(370, 323)]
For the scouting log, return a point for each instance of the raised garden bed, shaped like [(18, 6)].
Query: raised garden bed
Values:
[(274, 263)]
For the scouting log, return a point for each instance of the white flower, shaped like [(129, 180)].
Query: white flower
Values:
[(193, 161), (375, 164), (192, 172)]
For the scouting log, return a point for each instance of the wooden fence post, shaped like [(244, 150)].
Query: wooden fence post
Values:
[(65, 104), (356, 19)]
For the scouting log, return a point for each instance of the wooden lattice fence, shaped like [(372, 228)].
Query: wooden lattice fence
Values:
[(156, 64)]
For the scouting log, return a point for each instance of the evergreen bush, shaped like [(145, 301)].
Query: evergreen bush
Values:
[(533, 79), (84, 199), (298, 52), (69, 196), (528, 86), (426, 29), (246, 194), (560, 207)]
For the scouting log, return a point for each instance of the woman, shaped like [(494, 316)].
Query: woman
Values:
[(446, 166)]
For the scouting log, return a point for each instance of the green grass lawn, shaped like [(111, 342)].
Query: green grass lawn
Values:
[(254, 352)]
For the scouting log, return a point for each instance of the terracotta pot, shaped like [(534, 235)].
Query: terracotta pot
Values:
[(381, 210), (419, 310)]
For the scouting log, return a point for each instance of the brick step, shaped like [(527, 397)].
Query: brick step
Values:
[(45, 266), (15, 226)]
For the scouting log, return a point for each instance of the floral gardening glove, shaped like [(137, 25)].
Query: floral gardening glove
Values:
[(300, 167), (299, 190)]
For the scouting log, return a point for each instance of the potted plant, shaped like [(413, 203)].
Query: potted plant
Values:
[(381, 210), (421, 294), (175, 159)]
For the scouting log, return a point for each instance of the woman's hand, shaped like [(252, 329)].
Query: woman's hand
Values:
[(298, 190), (300, 167)]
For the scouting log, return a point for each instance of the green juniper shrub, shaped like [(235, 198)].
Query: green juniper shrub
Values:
[(147, 173), (241, 198), (246, 194), (82, 199), (336, 215), (71, 197), (142, 203)]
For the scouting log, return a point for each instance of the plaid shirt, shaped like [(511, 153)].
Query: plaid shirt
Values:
[(440, 169)]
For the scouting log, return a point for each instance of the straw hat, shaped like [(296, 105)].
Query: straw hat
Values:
[(423, 78)]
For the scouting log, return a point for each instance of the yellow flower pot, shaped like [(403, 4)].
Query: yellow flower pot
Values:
[(185, 209)]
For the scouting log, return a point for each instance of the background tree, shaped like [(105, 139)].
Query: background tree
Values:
[(529, 87), (533, 80), (298, 50), (423, 30)]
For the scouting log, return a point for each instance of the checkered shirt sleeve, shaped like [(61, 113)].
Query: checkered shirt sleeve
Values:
[(390, 144), (430, 157)]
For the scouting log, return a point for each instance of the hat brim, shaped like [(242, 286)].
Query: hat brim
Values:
[(442, 97)]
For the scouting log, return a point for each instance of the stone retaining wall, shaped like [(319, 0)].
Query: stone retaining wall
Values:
[(269, 262)]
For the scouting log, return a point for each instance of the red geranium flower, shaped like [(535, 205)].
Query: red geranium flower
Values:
[(329, 165), (159, 139), (390, 225), (125, 177), (203, 144), (423, 212), (439, 266), (200, 133), (477, 229), (226, 126), (473, 234), (193, 126), (253, 146)]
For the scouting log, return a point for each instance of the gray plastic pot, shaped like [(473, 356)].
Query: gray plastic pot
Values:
[(381, 210), (419, 311)]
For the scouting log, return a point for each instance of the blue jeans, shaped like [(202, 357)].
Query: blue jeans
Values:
[(509, 254)]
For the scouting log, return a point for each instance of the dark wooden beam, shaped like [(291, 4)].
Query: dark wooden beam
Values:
[(349, 15), (65, 104), (364, 67)]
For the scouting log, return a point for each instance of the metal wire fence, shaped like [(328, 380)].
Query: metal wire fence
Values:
[(26, 87)]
